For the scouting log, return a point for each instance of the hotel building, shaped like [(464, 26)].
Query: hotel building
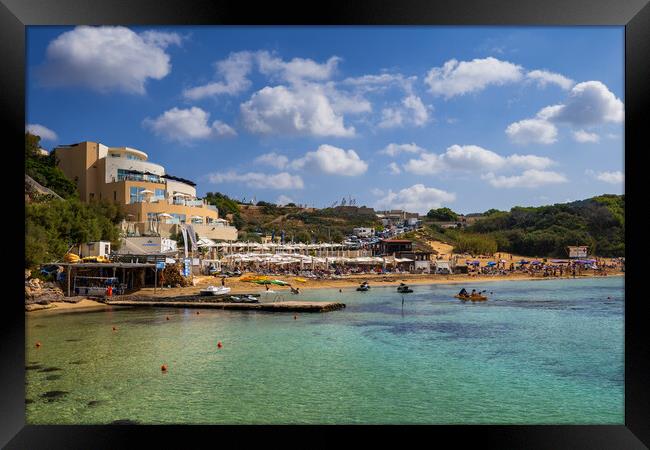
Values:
[(154, 202)]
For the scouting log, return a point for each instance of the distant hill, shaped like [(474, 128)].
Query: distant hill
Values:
[(305, 225), (598, 222)]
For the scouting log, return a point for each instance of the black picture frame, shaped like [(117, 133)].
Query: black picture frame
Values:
[(15, 15)]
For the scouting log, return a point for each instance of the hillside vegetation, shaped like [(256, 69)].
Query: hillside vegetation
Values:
[(545, 231), (298, 224), (53, 224)]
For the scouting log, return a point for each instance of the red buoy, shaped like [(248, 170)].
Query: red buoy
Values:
[(163, 368), (167, 317), (38, 344), (219, 345), (198, 312), (114, 328)]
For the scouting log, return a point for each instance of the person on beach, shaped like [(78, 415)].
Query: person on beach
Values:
[(223, 281)]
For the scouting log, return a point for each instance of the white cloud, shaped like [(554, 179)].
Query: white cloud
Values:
[(296, 70), (417, 198), (332, 160), (396, 149), (472, 158), (272, 159), (583, 136), (234, 70), (161, 39), (345, 102), (377, 192), (614, 177), (458, 78), (536, 131), (282, 180), (107, 59), (300, 110), (529, 161), (283, 200), (588, 103), (531, 178), (391, 118), (187, 124), (394, 168), (370, 83), (544, 77), (420, 115), (412, 111), (426, 164), (39, 130)]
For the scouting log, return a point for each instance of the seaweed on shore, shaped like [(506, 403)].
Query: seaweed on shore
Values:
[(50, 369), (95, 402), (34, 367), (53, 377)]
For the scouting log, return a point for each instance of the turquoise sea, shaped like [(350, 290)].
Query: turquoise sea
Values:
[(538, 352)]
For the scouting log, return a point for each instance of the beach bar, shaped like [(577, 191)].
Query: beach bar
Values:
[(125, 277)]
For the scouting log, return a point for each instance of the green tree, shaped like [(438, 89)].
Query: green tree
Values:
[(43, 170), (442, 215)]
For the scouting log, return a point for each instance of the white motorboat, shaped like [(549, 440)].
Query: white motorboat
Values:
[(215, 290)]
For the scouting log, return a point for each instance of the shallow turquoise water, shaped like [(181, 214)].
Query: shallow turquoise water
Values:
[(537, 352)]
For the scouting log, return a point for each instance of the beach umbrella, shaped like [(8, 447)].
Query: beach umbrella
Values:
[(164, 215), (146, 191), (491, 263)]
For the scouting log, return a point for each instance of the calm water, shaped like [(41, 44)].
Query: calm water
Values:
[(537, 352)]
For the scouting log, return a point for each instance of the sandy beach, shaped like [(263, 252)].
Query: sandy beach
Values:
[(350, 281)]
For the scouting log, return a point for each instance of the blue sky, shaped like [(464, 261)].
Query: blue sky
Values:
[(397, 117)]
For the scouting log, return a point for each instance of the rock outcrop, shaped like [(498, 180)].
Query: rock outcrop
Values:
[(42, 293)]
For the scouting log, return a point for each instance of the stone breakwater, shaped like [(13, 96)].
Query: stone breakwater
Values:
[(288, 306)]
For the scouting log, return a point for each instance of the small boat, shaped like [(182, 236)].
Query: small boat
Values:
[(474, 298), (404, 289), (363, 288), (214, 290), (244, 299)]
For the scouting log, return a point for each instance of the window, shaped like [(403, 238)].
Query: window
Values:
[(152, 216), (123, 174), (135, 196), (92, 196), (159, 195), (178, 218), (115, 155)]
